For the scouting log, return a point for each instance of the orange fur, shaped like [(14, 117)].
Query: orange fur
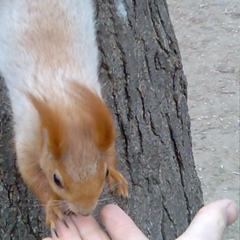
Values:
[(91, 112), (51, 37), (102, 119), (51, 124), (78, 144)]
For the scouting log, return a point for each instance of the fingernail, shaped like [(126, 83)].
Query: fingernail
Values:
[(232, 213)]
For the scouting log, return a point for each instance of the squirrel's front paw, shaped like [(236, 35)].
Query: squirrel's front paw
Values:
[(117, 183), (53, 212)]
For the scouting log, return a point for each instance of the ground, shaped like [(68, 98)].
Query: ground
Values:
[(209, 39)]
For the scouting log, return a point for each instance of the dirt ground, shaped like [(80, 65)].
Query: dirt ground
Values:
[(209, 38)]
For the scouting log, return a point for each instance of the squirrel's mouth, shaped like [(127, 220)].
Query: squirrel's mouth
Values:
[(64, 206), (69, 208), (69, 212)]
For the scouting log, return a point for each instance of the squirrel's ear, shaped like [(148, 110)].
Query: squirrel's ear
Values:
[(103, 123), (101, 119), (51, 124)]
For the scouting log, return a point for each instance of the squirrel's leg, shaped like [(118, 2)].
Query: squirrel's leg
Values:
[(115, 179), (36, 180)]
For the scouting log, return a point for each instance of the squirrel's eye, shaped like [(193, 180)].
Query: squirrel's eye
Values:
[(57, 181)]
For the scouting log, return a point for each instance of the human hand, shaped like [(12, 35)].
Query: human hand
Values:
[(209, 223)]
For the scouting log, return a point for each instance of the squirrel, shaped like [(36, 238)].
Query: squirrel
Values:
[(64, 132)]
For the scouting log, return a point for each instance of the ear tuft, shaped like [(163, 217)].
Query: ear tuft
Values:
[(103, 125), (51, 123)]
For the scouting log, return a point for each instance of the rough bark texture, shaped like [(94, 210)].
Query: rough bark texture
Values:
[(145, 87)]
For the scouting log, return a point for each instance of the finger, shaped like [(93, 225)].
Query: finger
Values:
[(88, 228), (119, 225), (66, 230), (211, 221)]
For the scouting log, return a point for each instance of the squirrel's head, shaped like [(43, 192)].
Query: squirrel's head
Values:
[(76, 138), (79, 185)]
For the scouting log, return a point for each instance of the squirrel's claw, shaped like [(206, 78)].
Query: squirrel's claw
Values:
[(53, 212), (55, 232), (117, 183)]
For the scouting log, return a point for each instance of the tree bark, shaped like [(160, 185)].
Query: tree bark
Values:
[(146, 90)]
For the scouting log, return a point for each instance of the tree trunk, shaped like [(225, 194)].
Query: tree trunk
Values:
[(145, 87)]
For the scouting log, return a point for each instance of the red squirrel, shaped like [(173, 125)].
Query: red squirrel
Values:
[(64, 132)]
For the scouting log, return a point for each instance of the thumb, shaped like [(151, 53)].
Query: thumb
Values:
[(211, 221)]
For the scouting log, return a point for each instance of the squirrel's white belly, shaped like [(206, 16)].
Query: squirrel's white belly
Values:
[(43, 48)]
